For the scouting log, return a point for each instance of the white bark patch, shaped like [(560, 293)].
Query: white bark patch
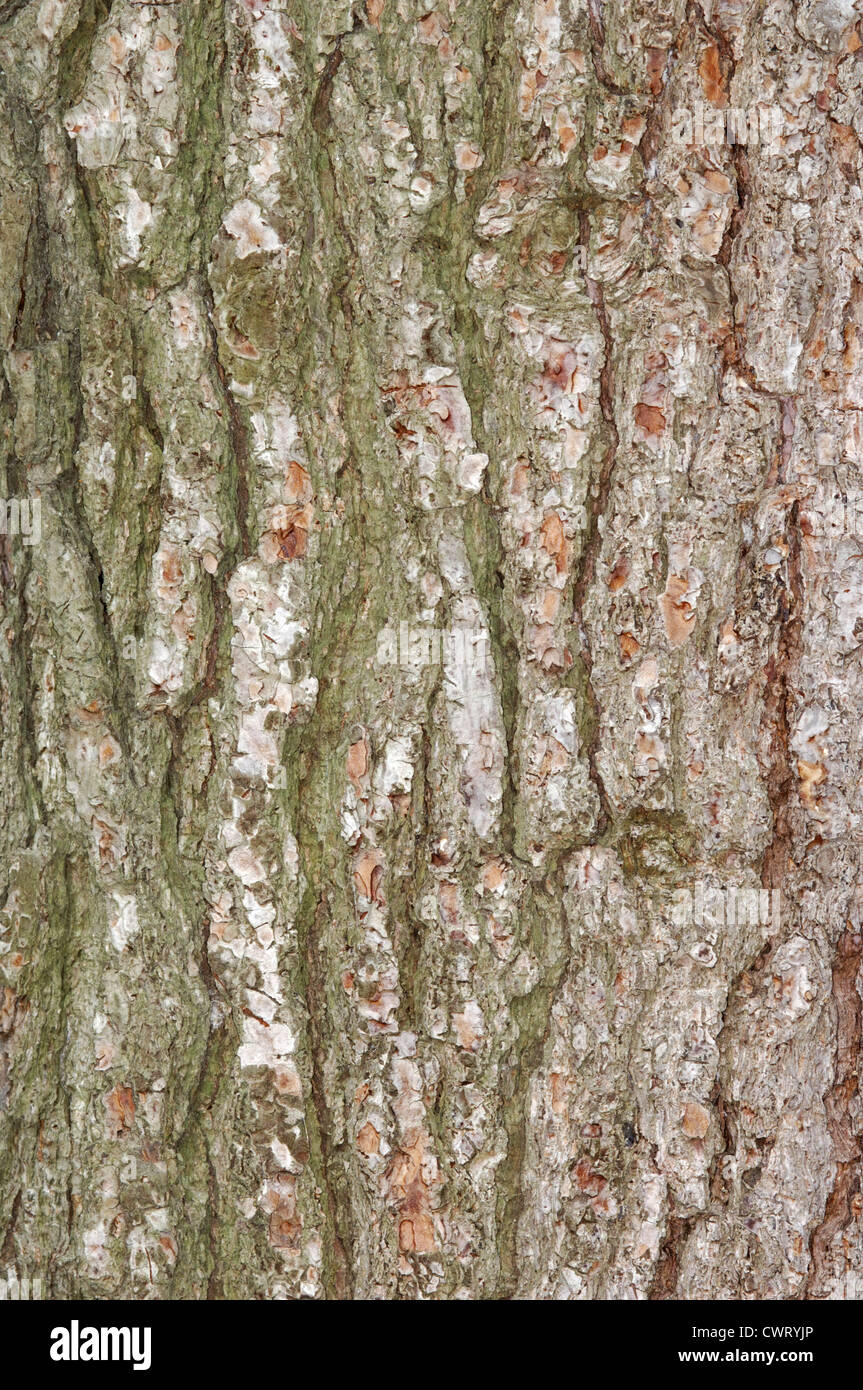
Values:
[(395, 773), (245, 223), (123, 923)]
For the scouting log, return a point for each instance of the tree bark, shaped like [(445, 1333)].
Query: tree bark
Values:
[(340, 959)]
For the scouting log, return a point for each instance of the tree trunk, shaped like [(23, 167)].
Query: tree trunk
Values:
[(431, 643)]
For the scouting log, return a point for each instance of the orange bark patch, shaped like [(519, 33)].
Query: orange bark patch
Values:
[(109, 750), (285, 1223), (566, 136), (717, 182), (587, 1179), (560, 369), (288, 536), (287, 1081), (696, 1120), (467, 156), (120, 1105), (554, 540), (520, 479), (844, 144), (294, 538), (106, 842), (655, 69), (710, 72), (432, 28), (285, 1227), (417, 1233), (649, 419), (619, 574), (811, 776), (368, 1139), (298, 485), (358, 760), (409, 1187), (550, 604), (679, 617), (493, 874)]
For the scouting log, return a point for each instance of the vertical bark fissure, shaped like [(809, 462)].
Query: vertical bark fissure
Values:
[(841, 1102), (593, 539), (339, 1286)]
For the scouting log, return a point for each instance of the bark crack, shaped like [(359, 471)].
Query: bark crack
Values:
[(316, 1002), (667, 1273), (593, 539), (597, 49), (236, 426), (839, 1208)]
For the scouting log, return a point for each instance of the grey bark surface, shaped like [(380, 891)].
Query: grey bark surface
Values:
[(324, 975)]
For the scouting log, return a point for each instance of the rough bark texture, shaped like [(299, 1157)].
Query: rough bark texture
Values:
[(326, 975)]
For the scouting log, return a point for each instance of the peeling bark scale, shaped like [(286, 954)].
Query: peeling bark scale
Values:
[(431, 648)]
